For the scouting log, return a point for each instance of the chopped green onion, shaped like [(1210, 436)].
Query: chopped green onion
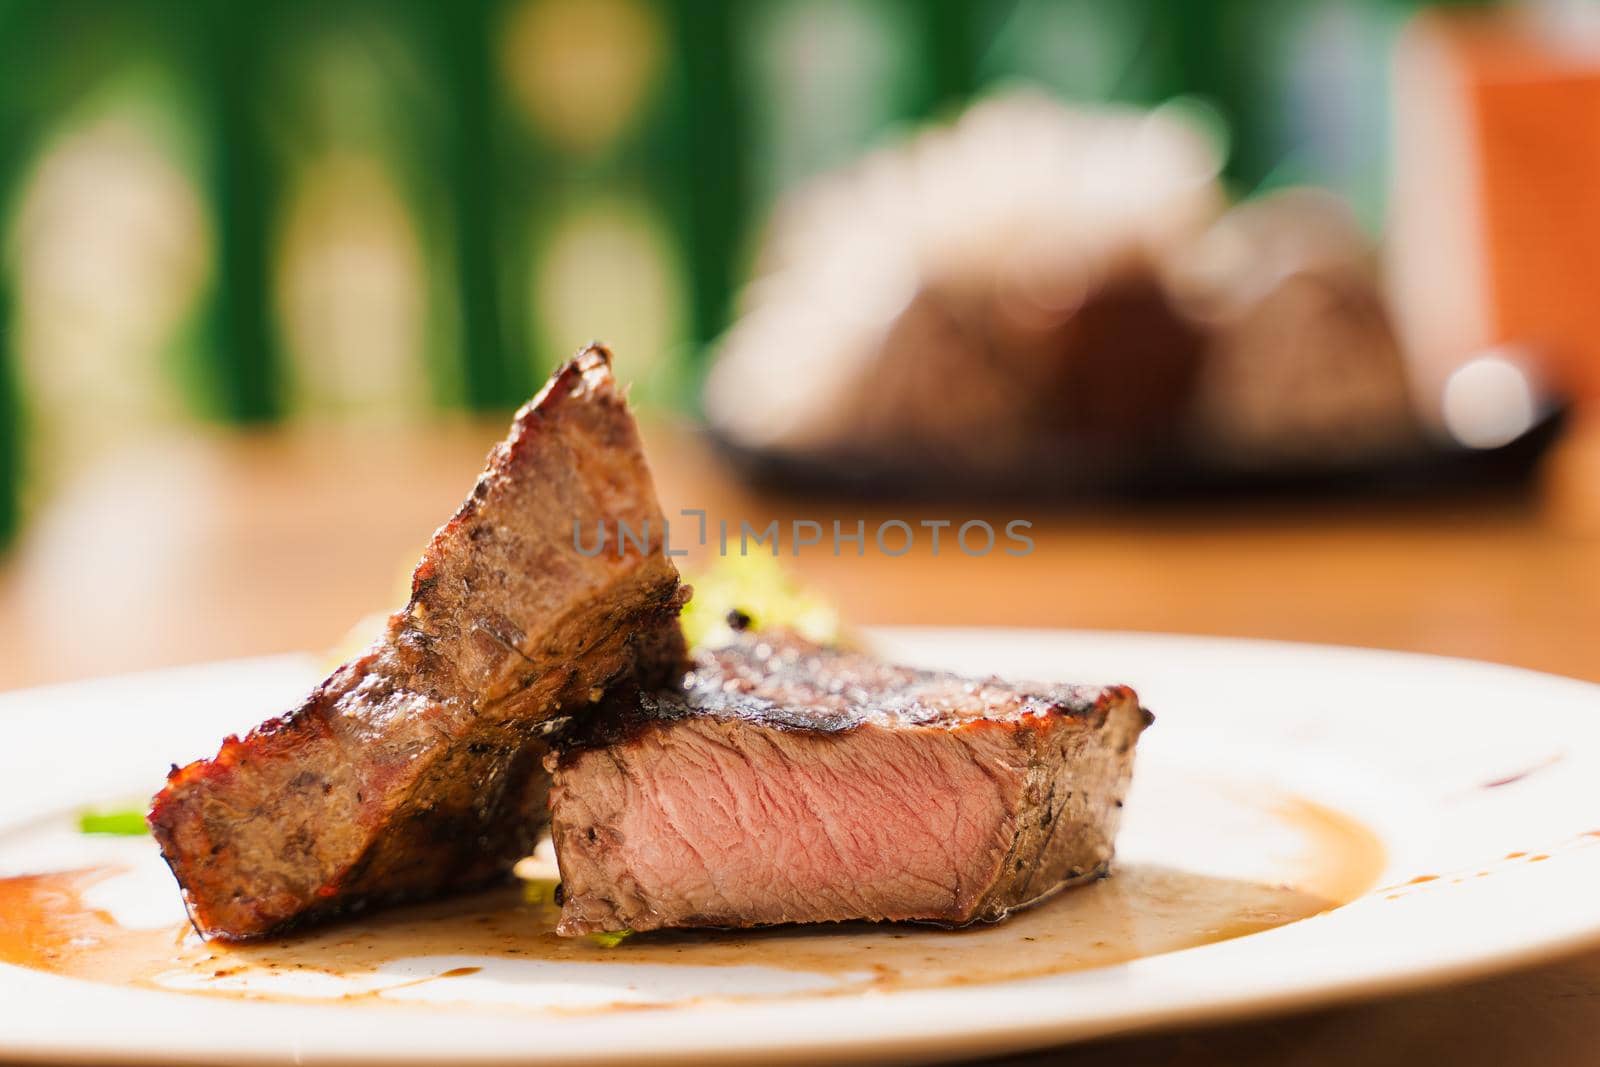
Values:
[(126, 822), (758, 588), (610, 939), (539, 891)]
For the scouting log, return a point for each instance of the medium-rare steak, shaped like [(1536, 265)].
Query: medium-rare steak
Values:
[(783, 782), (415, 768)]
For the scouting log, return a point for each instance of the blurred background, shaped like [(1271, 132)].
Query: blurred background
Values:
[(1275, 317)]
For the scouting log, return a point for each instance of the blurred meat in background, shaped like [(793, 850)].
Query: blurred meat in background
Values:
[(1044, 298), (987, 295)]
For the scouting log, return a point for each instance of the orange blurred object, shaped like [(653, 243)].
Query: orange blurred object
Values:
[(1496, 223)]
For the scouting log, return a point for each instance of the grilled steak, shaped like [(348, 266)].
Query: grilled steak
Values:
[(783, 782), (414, 769)]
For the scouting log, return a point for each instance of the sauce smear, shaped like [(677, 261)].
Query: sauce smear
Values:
[(507, 935)]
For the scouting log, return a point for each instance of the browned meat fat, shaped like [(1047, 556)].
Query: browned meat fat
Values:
[(415, 768), (783, 782)]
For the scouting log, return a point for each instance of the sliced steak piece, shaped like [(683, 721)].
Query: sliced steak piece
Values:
[(415, 768), (783, 782)]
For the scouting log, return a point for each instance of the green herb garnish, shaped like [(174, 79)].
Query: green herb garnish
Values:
[(540, 891), (124, 822), (609, 939), (758, 590)]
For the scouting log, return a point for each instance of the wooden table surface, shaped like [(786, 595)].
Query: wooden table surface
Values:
[(212, 545)]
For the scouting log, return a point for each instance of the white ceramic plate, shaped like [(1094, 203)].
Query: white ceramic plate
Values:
[(1479, 781)]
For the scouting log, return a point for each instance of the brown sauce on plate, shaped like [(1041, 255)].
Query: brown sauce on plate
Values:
[(1141, 910)]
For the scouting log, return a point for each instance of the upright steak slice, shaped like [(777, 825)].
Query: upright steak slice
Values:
[(783, 782), (414, 769)]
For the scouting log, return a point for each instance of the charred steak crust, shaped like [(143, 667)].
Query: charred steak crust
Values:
[(415, 768), (782, 681), (784, 782)]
